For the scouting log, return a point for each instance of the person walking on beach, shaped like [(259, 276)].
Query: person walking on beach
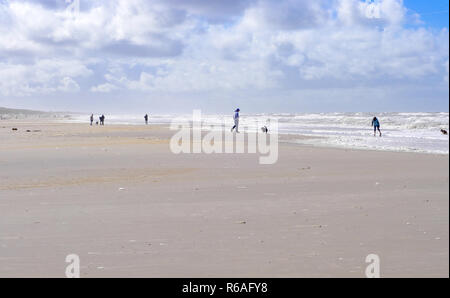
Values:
[(92, 119), (146, 119), (236, 120), (102, 120), (376, 125)]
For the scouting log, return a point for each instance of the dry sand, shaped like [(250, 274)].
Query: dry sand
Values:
[(118, 198)]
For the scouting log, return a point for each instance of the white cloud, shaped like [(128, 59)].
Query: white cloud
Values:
[(68, 85), (42, 77), (104, 88), (194, 46)]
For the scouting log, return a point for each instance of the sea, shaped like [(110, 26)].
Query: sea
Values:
[(402, 132)]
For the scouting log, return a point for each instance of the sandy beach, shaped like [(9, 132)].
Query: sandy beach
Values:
[(128, 207)]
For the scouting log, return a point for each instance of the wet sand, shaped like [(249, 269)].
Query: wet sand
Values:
[(121, 200)]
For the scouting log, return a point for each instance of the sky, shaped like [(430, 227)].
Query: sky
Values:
[(173, 56)]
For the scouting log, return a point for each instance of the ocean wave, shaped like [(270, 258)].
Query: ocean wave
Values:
[(403, 131)]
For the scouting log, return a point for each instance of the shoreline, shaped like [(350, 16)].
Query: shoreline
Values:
[(285, 138)]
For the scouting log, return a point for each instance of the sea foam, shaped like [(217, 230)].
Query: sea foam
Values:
[(410, 132)]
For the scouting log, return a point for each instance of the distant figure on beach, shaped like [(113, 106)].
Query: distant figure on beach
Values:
[(443, 131), (376, 125), (92, 119), (236, 120), (102, 120), (264, 129), (146, 119)]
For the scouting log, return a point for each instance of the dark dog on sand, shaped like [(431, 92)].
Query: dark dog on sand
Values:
[(264, 129)]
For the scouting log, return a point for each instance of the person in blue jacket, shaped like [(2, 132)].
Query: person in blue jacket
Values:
[(236, 120), (376, 125)]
